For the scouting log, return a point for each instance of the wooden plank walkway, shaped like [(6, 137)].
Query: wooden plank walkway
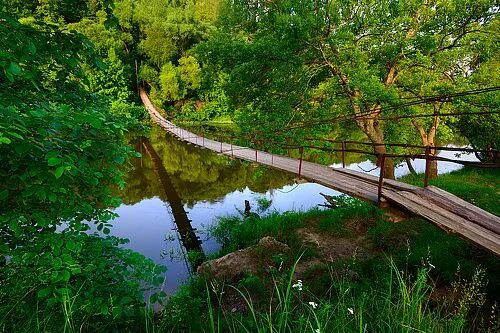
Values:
[(437, 206)]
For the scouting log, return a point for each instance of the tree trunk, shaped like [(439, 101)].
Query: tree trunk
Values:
[(389, 162), (429, 138), (433, 168), (410, 166), (372, 128)]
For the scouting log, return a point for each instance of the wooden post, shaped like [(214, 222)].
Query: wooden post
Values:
[(427, 165), (301, 150), (343, 154), (256, 154), (381, 179), (232, 154), (220, 146), (203, 140)]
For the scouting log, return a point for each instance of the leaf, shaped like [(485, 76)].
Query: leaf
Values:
[(125, 300), (117, 311), (70, 245), (4, 194), (15, 135), (57, 262), (119, 159), (22, 148), (52, 197), (65, 275), (59, 171), (52, 153), (14, 68), (9, 76), (38, 113), (100, 64), (106, 231), (43, 292), (76, 270), (31, 47), (54, 161), (5, 140), (96, 123)]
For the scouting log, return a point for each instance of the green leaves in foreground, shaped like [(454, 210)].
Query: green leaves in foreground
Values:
[(61, 150)]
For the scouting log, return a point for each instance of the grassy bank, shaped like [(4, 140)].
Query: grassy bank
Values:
[(405, 277), (347, 270), (412, 277)]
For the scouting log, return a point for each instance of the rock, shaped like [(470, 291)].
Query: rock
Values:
[(250, 261)]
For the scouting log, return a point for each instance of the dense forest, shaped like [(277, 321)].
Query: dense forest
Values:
[(389, 71)]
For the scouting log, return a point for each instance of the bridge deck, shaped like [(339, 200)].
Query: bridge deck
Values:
[(439, 207)]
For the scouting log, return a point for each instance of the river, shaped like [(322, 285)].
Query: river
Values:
[(176, 192)]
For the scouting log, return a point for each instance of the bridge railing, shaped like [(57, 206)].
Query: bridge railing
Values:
[(428, 154), (345, 147)]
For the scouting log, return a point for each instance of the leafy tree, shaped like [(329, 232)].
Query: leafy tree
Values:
[(168, 30), (60, 153), (189, 71), (169, 83), (295, 63)]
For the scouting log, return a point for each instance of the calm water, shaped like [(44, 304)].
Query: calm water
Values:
[(175, 192)]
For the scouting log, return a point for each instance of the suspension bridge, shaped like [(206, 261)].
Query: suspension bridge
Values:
[(439, 207)]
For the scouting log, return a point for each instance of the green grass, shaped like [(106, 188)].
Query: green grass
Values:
[(478, 186), (392, 290), (397, 303), (414, 247)]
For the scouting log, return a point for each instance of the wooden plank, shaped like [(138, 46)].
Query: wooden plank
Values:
[(460, 201), (391, 182), (463, 208), (446, 220)]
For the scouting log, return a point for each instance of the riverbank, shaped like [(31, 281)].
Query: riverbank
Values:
[(337, 270), (348, 270)]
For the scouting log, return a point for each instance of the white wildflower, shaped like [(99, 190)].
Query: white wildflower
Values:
[(313, 305), (350, 310), (298, 285), (317, 331), (431, 265)]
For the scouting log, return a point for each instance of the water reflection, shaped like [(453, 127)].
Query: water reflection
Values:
[(189, 239), (175, 191)]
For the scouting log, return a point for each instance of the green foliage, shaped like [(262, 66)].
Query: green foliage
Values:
[(189, 71), (292, 63), (177, 82), (169, 83), (61, 152), (236, 233), (264, 203), (397, 302), (64, 278), (168, 31)]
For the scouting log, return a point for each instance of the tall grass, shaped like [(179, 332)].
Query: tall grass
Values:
[(402, 306)]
